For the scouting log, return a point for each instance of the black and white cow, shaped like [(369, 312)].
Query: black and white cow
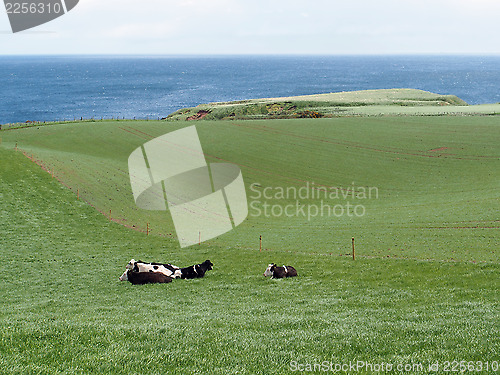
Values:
[(167, 269), (138, 278), (279, 272), (196, 271)]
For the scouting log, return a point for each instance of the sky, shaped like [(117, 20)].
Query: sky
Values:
[(233, 27)]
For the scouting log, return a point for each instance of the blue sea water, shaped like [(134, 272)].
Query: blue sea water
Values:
[(51, 88)]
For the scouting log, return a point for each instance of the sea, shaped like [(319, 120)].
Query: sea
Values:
[(57, 88)]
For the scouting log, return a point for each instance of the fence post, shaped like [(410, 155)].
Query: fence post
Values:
[(353, 254)]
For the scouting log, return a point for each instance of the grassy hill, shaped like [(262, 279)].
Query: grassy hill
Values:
[(392, 102), (424, 286)]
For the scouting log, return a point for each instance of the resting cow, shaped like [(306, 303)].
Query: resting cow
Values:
[(196, 271), (279, 272), (167, 269), (145, 277)]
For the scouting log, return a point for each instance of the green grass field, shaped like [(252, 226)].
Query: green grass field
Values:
[(391, 102), (424, 288)]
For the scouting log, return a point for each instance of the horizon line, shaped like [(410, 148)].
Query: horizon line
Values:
[(423, 54)]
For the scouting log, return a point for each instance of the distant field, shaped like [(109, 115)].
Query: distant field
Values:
[(395, 102), (436, 179), (423, 288)]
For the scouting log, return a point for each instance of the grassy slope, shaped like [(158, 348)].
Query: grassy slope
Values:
[(394, 102), (402, 301), (67, 313), (431, 205)]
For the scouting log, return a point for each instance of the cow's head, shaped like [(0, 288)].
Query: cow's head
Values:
[(124, 276), (131, 264), (269, 270), (208, 264)]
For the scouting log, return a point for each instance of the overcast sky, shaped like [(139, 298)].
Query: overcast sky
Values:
[(264, 27)]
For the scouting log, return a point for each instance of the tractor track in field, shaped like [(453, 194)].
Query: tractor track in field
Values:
[(147, 136), (368, 147)]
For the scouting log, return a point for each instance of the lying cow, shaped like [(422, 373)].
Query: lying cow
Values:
[(279, 272), (167, 269), (196, 271), (145, 277)]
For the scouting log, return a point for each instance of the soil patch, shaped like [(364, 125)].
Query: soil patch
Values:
[(198, 116)]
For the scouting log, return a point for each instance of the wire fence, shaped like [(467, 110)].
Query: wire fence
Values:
[(29, 124)]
